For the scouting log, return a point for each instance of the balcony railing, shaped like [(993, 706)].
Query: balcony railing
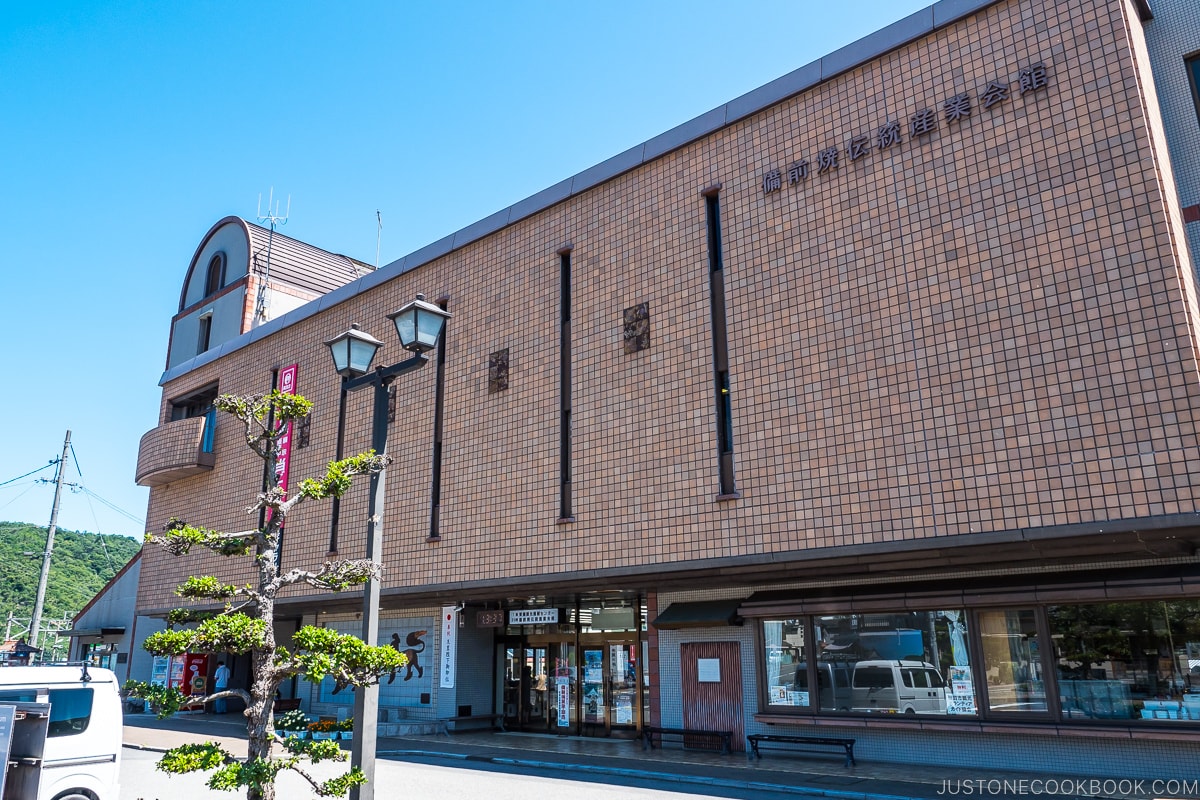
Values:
[(177, 450)]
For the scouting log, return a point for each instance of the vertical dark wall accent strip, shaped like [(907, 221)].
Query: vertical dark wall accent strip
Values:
[(723, 402), (565, 510), (335, 511), (435, 511)]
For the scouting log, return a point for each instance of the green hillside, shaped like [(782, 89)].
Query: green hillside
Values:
[(81, 565)]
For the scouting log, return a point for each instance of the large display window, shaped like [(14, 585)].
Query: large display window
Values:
[(903, 663), (1132, 662), (1128, 661)]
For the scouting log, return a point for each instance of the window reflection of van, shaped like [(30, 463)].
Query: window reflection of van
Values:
[(898, 687), (82, 754), (833, 680)]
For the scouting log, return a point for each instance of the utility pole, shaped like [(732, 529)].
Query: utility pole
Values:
[(36, 622)]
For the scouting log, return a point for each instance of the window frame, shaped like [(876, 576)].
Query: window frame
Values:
[(214, 275), (204, 332), (197, 403), (1052, 714)]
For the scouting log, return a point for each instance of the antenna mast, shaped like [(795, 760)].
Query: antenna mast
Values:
[(378, 235), (273, 218)]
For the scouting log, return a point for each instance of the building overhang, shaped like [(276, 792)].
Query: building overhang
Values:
[(699, 614), (94, 634)]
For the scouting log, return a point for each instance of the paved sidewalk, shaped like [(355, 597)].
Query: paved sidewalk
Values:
[(813, 775)]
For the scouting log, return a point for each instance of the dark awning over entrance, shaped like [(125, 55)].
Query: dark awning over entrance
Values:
[(699, 614), (92, 633)]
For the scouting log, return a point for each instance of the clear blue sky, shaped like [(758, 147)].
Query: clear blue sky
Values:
[(131, 127)]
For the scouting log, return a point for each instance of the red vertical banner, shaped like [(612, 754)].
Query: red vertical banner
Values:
[(283, 445)]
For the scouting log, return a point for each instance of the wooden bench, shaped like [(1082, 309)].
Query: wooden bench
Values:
[(283, 704), (495, 720), (809, 743), (650, 731)]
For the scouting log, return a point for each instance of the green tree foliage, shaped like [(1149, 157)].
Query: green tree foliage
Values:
[(241, 619), (82, 563)]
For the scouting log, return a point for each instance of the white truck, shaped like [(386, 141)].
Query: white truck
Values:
[(66, 739)]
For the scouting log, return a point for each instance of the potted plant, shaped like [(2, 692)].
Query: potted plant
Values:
[(323, 729), (346, 728), (293, 723)]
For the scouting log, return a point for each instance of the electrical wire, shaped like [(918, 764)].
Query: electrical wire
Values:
[(34, 472), (112, 567), (114, 507), (91, 494), (22, 494)]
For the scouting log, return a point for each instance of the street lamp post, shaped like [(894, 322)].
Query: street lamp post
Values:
[(418, 325)]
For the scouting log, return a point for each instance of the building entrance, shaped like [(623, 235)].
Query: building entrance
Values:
[(556, 686), (610, 687), (539, 684)]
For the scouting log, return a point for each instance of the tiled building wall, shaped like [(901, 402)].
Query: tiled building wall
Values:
[(973, 330), (1172, 36)]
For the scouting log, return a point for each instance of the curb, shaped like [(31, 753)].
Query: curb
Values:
[(670, 777), (666, 777)]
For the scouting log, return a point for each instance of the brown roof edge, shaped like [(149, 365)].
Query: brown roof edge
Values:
[(199, 248)]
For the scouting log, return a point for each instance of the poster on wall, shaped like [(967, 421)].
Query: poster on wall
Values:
[(961, 698), (624, 710), (708, 670), (449, 645), (408, 686)]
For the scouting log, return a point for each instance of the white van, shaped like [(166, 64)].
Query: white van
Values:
[(81, 759), (898, 687)]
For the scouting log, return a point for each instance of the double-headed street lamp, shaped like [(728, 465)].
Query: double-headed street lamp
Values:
[(419, 325)]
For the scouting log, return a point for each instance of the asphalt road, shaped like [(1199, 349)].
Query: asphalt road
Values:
[(444, 780)]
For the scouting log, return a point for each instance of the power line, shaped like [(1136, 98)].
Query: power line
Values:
[(34, 472), (22, 494), (131, 517)]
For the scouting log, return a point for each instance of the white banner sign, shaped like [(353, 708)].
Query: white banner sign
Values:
[(449, 645), (564, 704), (533, 616)]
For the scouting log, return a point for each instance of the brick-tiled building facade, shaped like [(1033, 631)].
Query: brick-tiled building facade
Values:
[(865, 402)]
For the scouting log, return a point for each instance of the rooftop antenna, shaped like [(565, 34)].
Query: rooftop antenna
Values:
[(273, 218), (378, 235)]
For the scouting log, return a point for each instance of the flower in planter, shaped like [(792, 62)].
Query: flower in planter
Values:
[(324, 729), (292, 721), (346, 725)]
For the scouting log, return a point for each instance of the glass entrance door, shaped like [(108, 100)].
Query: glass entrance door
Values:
[(539, 681), (610, 691), (624, 711)]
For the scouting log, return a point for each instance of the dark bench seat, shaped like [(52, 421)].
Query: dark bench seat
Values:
[(797, 742), (650, 731), (283, 704), (494, 720)]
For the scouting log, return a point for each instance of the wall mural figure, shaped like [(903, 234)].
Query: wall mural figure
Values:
[(415, 646)]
